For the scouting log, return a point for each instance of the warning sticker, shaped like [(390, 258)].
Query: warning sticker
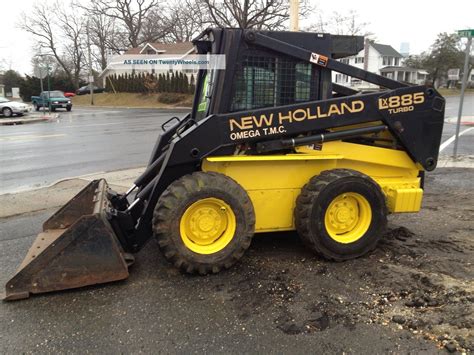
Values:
[(318, 59)]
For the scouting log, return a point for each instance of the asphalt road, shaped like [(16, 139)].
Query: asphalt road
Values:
[(94, 140), (81, 142), (466, 141)]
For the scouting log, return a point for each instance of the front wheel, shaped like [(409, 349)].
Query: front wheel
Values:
[(68, 108), (204, 222), (7, 112), (341, 214)]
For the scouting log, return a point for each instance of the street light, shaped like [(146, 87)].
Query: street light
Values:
[(469, 34)]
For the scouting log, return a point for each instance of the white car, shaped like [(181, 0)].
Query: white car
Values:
[(9, 108)]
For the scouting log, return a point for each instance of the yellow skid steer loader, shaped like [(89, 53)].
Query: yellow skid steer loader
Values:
[(271, 144)]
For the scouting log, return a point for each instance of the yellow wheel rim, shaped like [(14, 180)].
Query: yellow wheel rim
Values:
[(348, 217), (207, 226)]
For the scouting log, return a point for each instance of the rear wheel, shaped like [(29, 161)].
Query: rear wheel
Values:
[(36, 106), (341, 214), (204, 222)]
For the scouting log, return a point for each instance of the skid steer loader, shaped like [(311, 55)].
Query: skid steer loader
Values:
[(271, 144)]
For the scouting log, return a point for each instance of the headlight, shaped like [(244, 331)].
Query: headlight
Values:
[(68, 101), (55, 102)]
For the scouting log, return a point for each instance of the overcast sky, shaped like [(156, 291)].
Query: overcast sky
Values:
[(392, 22)]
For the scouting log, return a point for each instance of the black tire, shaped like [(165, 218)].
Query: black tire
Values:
[(7, 112), (314, 200), (53, 109), (68, 108), (37, 108), (173, 204)]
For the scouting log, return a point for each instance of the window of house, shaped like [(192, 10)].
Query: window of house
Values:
[(396, 61), (345, 60), (359, 60)]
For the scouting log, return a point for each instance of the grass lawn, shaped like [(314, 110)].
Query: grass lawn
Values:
[(135, 100), (454, 92)]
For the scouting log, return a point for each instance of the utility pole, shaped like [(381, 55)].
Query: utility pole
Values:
[(91, 75), (469, 34), (49, 88), (294, 15)]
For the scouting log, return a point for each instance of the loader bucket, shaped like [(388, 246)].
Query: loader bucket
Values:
[(77, 247)]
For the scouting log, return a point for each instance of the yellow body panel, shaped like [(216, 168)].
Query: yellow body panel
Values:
[(274, 181)]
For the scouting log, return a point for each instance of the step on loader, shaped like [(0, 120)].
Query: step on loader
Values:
[(271, 144)]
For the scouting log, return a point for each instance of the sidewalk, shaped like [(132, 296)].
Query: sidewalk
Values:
[(58, 194), (30, 118)]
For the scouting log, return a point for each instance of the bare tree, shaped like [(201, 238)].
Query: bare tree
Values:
[(341, 24), (103, 36), (156, 26), (41, 23), (184, 21), (73, 29), (131, 15), (258, 14)]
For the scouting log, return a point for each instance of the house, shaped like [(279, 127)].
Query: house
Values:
[(158, 50), (406, 74), (380, 59)]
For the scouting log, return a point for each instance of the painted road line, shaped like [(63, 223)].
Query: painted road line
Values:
[(451, 140), (30, 137)]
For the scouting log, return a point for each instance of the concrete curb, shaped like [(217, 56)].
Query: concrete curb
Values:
[(465, 120), (465, 161), (30, 119), (135, 107)]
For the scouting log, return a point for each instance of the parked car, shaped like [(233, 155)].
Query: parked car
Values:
[(9, 108), (69, 94), (55, 99), (86, 90)]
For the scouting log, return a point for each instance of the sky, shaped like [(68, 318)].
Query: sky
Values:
[(414, 21)]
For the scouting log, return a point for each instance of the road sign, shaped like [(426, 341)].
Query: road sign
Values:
[(40, 71), (466, 33), (453, 74)]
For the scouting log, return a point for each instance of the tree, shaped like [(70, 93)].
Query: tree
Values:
[(135, 19), (61, 33), (73, 28), (258, 14), (341, 23), (183, 22), (11, 79), (444, 55), (102, 35)]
